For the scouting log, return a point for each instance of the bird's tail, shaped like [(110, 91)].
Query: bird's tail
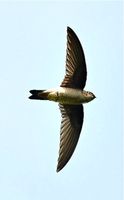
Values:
[(38, 94)]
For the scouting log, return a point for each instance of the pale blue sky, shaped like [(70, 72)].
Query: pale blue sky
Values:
[(32, 56)]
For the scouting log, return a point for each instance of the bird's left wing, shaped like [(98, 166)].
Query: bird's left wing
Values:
[(71, 124)]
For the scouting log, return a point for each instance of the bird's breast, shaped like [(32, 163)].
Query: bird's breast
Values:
[(66, 95)]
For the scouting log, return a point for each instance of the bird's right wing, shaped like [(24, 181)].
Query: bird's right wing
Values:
[(71, 124), (76, 72)]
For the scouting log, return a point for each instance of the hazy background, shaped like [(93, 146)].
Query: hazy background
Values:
[(32, 56)]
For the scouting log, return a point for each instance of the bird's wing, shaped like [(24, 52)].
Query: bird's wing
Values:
[(71, 124), (76, 72)]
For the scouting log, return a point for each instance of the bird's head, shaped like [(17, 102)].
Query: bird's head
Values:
[(89, 96)]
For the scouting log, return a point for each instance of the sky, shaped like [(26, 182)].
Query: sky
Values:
[(32, 56)]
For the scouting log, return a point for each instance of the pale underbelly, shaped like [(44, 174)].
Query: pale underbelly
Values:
[(67, 96)]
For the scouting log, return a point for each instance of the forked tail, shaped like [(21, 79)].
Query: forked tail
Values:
[(38, 94)]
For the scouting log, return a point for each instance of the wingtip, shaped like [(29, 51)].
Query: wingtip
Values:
[(69, 29), (58, 169)]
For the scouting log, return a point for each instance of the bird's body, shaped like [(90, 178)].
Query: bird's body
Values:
[(63, 95), (70, 96)]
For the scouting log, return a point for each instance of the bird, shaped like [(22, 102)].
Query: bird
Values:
[(70, 96)]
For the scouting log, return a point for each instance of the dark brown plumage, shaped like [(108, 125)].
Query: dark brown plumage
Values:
[(70, 96), (72, 115), (76, 72), (71, 124)]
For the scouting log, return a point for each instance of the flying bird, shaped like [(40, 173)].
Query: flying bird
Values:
[(71, 97)]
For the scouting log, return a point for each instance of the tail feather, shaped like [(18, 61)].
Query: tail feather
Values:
[(38, 94)]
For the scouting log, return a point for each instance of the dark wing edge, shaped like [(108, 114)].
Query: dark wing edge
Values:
[(76, 72), (71, 125)]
